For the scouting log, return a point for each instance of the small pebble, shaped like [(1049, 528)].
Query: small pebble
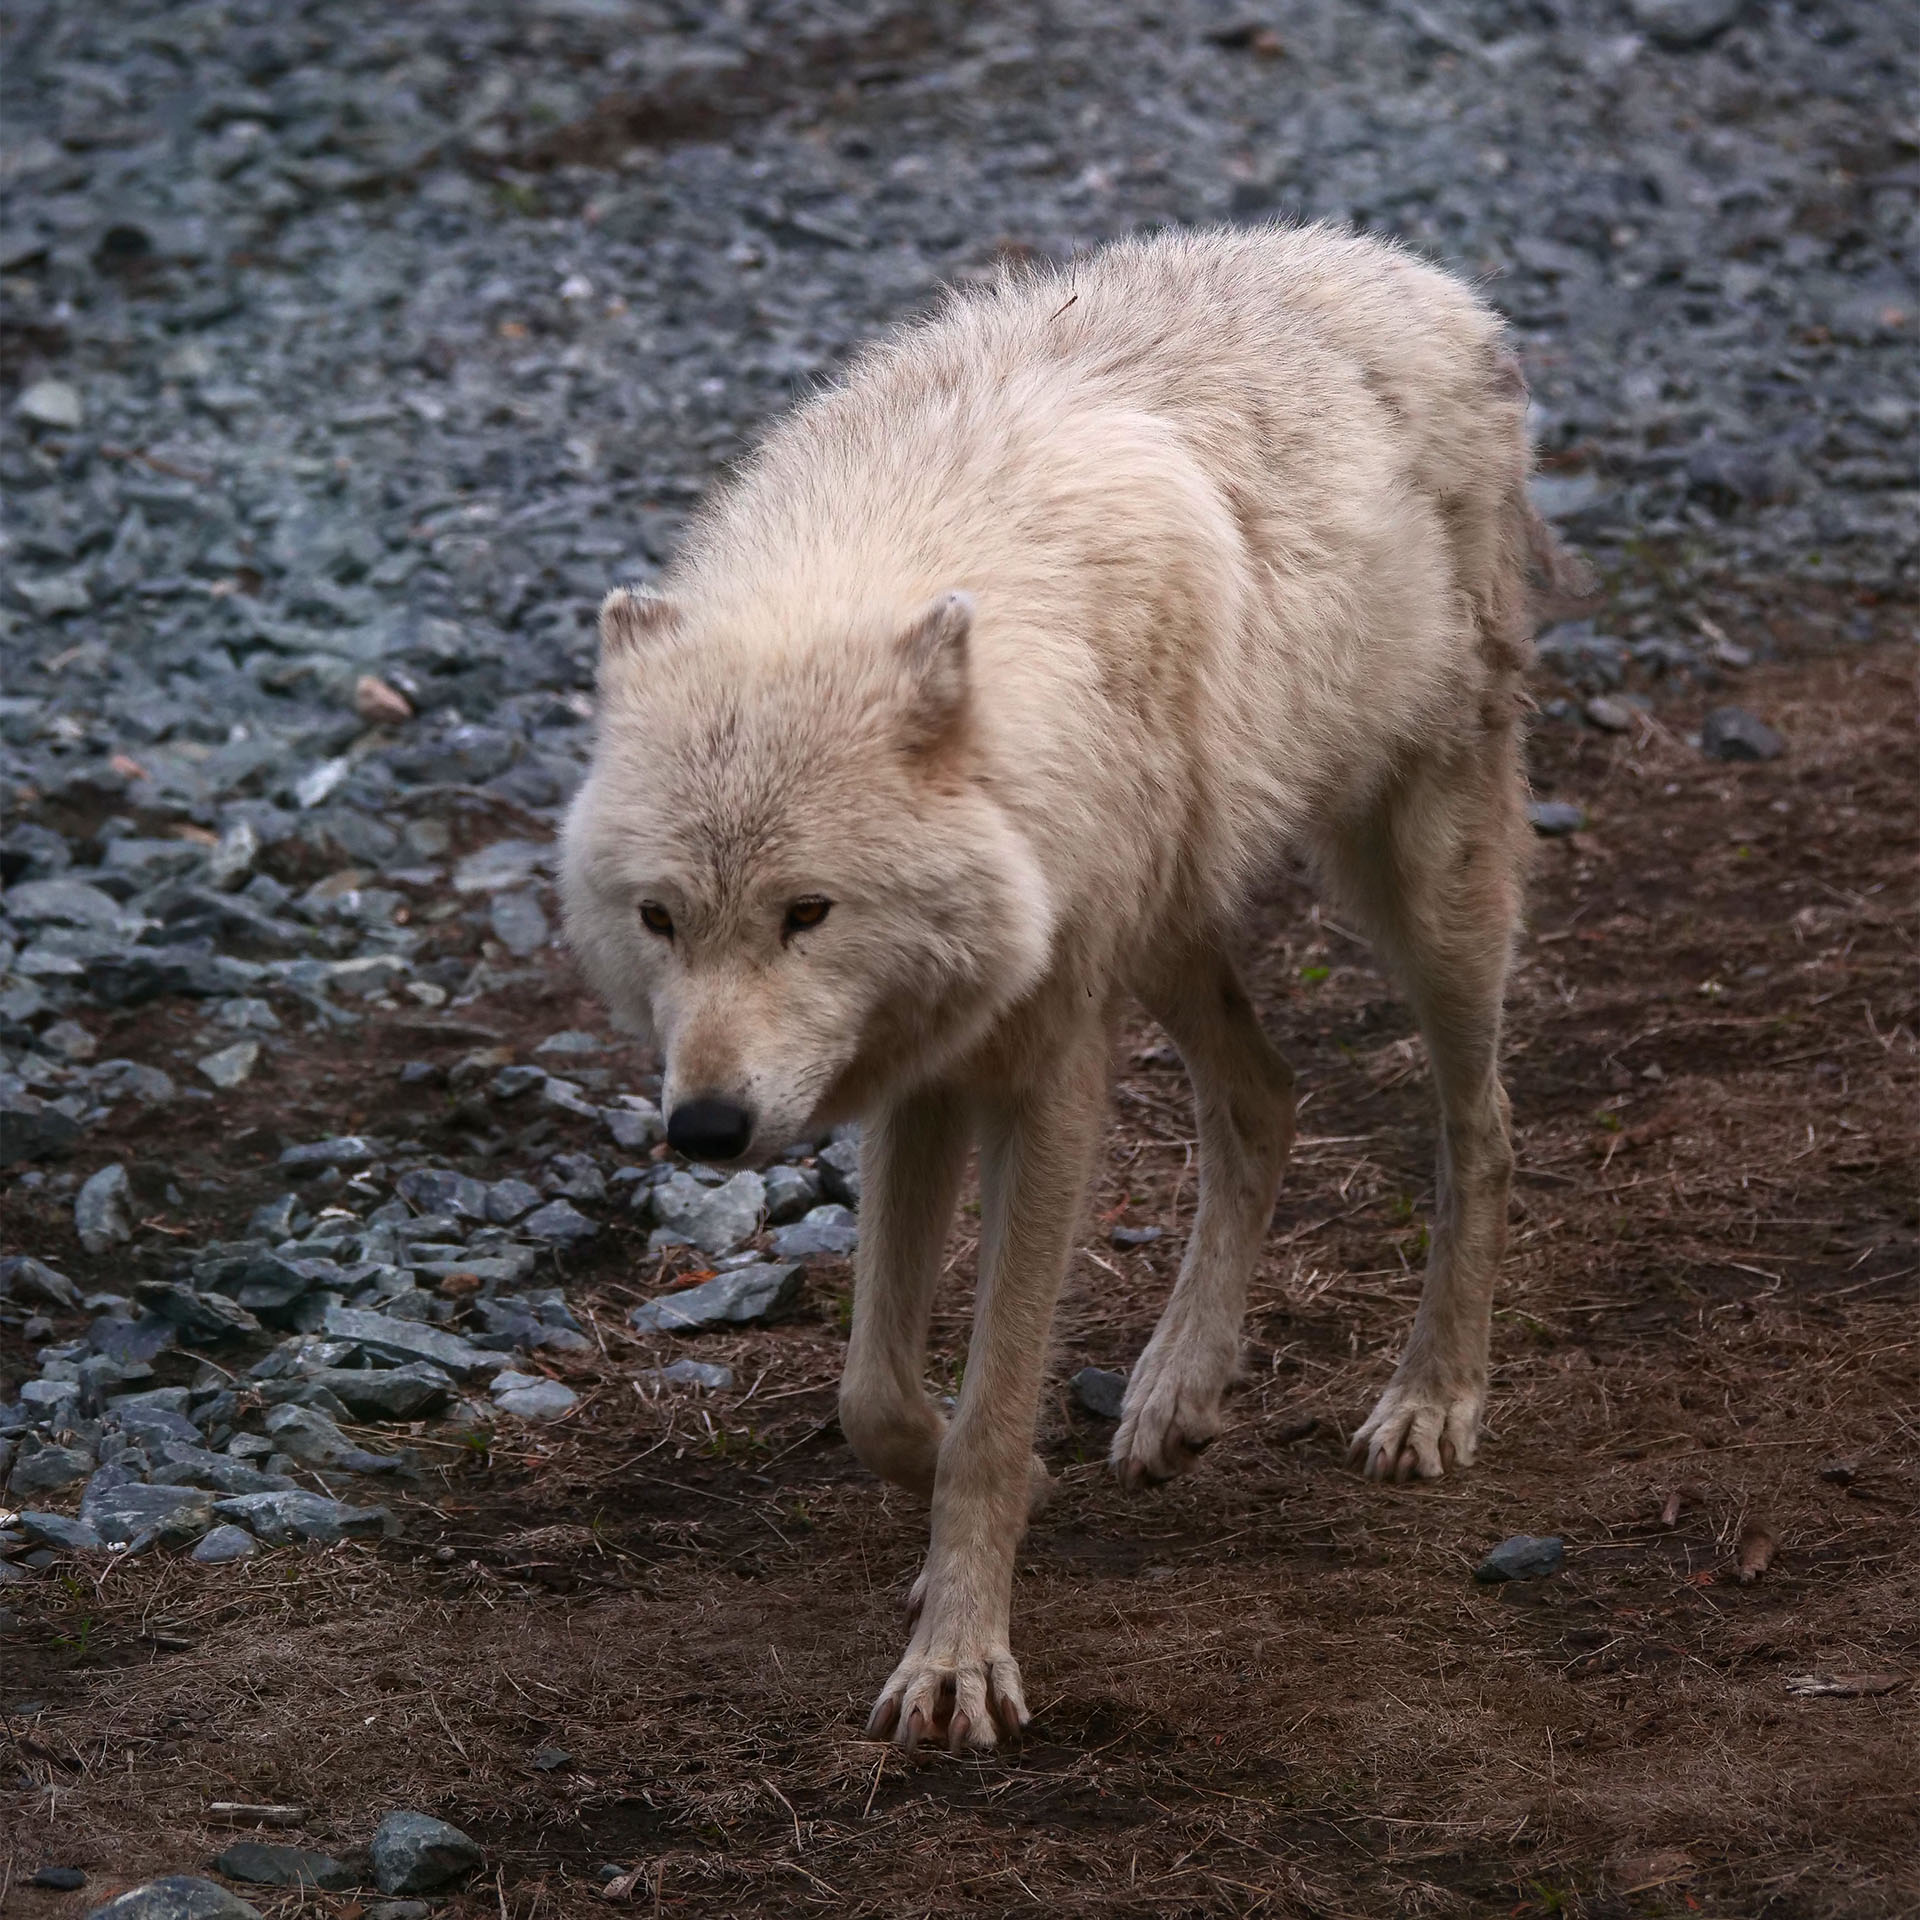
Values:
[(231, 1066), (704, 1374), (1099, 1392), (1732, 733), (1524, 1557), (224, 1544), (1555, 818), (52, 403), (379, 704)]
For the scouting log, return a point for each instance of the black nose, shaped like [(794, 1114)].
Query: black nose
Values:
[(709, 1128)]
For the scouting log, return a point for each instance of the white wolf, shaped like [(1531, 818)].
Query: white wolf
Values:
[(980, 699)]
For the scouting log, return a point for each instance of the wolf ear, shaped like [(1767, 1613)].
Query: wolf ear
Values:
[(933, 650), (631, 620)]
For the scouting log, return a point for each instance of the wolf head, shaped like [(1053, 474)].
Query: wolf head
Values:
[(787, 864)]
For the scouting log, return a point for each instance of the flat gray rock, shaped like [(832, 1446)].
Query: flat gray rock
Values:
[(52, 1402), (203, 1319), (635, 1124), (310, 1436), (1553, 819), (747, 1294), (575, 1176), (102, 1213), (58, 1531), (560, 1223), (688, 1373), (387, 1393), (790, 1192), (1680, 25), (47, 1469), (573, 1040), (1525, 1556), (415, 1853), (717, 1220), (281, 1518), (223, 1545), (24, 1278), (177, 1896), (831, 1229), (441, 1190), (68, 903), (1099, 1392), (840, 1171), (31, 1128), (404, 1340), (1732, 733), (519, 923), (52, 403), (232, 1066), (266, 1864), (121, 1514), (507, 863), (346, 1151), (533, 1398), (132, 1342), (508, 1199)]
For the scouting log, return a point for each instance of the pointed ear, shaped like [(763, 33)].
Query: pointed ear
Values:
[(632, 619), (934, 653)]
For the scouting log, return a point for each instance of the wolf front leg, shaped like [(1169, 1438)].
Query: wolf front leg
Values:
[(959, 1681), (911, 1159)]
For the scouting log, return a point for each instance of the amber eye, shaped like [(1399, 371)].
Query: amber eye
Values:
[(656, 919), (806, 913)]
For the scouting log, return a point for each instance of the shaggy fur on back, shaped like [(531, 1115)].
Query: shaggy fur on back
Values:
[(1239, 488)]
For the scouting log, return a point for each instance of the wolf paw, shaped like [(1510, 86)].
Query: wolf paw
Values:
[(959, 1696), (1171, 1415), (1419, 1427)]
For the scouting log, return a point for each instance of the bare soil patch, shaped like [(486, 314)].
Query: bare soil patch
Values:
[(1271, 1688)]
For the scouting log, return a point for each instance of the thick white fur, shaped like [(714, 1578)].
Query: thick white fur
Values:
[(1032, 647)]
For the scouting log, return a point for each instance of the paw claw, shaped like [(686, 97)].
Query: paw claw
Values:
[(1171, 1415), (963, 1703), (1418, 1429)]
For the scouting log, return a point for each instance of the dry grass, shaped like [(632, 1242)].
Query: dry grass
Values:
[(1271, 1688)]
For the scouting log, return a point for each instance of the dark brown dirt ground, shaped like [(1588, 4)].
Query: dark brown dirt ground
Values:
[(1272, 1688)]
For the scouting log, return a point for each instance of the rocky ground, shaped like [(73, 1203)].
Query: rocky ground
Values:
[(349, 355)]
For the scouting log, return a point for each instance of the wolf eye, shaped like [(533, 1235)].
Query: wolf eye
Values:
[(656, 919), (806, 913)]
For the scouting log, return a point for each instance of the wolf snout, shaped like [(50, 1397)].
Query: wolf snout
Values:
[(709, 1127)]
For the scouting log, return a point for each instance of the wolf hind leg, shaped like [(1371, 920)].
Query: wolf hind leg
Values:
[(1435, 874), (1243, 1096)]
